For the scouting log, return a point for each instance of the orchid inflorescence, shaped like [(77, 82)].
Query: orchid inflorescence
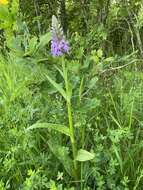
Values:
[(59, 45)]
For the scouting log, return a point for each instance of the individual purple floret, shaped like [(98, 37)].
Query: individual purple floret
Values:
[(59, 45)]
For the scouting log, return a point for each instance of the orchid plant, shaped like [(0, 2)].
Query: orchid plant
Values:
[(60, 47)]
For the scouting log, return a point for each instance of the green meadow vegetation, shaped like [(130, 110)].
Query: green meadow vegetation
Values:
[(71, 118)]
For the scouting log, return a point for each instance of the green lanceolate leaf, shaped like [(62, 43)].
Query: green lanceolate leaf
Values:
[(62, 153), (84, 155), (57, 127), (44, 40), (89, 105), (58, 87), (92, 83), (32, 45)]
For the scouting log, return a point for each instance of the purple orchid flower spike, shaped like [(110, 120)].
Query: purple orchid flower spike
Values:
[(59, 45)]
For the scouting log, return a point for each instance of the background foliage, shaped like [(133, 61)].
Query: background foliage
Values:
[(104, 69)]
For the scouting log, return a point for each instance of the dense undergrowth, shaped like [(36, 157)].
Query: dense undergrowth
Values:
[(73, 121)]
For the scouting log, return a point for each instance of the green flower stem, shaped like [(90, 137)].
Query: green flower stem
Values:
[(70, 120), (72, 138)]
